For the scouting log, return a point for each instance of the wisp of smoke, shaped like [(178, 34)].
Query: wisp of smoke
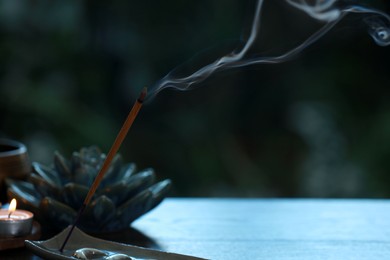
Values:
[(330, 12)]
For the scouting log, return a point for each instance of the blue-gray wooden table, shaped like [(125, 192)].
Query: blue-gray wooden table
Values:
[(271, 228), (261, 229)]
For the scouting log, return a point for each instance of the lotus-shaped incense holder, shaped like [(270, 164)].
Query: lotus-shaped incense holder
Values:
[(55, 193)]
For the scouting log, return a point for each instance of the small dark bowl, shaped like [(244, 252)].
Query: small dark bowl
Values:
[(14, 163)]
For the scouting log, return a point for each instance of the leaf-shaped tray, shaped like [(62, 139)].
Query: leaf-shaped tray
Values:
[(49, 249)]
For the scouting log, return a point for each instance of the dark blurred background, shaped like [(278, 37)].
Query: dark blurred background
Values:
[(317, 125)]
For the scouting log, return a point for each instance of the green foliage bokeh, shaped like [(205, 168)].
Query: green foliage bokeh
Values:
[(315, 126)]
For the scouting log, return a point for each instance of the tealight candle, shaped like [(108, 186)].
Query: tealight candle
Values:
[(15, 222)]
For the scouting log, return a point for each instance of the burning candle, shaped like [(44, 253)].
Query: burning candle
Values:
[(15, 222)]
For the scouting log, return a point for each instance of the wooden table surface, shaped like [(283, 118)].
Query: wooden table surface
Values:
[(262, 229)]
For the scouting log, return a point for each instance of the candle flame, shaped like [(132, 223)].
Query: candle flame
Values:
[(12, 207)]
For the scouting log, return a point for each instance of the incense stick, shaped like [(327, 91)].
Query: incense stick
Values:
[(106, 164)]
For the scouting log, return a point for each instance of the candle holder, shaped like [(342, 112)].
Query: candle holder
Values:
[(19, 223), (56, 193), (17, 242), (16, 226)]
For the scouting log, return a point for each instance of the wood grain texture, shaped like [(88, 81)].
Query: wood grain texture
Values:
[(271, 228)]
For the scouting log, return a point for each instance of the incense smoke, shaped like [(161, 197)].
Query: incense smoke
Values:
[(330, 12)]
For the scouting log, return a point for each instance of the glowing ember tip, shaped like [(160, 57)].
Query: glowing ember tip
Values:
[(143, 94)]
